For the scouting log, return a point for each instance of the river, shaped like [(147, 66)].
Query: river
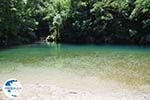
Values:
[(115, 72)]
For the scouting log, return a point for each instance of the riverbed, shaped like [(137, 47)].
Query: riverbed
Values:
[(78, 72)]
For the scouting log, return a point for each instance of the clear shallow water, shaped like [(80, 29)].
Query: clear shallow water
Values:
[(128, 65)]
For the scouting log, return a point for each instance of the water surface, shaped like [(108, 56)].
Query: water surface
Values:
[(77, 64)]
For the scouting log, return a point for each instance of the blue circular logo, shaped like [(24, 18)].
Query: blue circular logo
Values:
[(12, 88)]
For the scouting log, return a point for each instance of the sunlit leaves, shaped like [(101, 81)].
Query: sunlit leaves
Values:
[(142, 6)]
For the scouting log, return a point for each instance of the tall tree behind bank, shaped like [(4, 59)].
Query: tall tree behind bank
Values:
[(75, 21), (108, 21), (17, 24), (25, 21)]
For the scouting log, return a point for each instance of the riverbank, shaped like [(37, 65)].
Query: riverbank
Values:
[(52, 92)]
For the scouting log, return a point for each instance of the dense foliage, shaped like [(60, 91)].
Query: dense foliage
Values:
[(75, 21)]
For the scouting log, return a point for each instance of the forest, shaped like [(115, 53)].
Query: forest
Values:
[(75, 21)]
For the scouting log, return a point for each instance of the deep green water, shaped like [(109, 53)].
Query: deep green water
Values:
[(125, 64)]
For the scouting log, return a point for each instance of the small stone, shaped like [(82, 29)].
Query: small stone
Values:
[(72, 92)]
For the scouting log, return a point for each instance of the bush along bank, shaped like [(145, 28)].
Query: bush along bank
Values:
[(70, 21)]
